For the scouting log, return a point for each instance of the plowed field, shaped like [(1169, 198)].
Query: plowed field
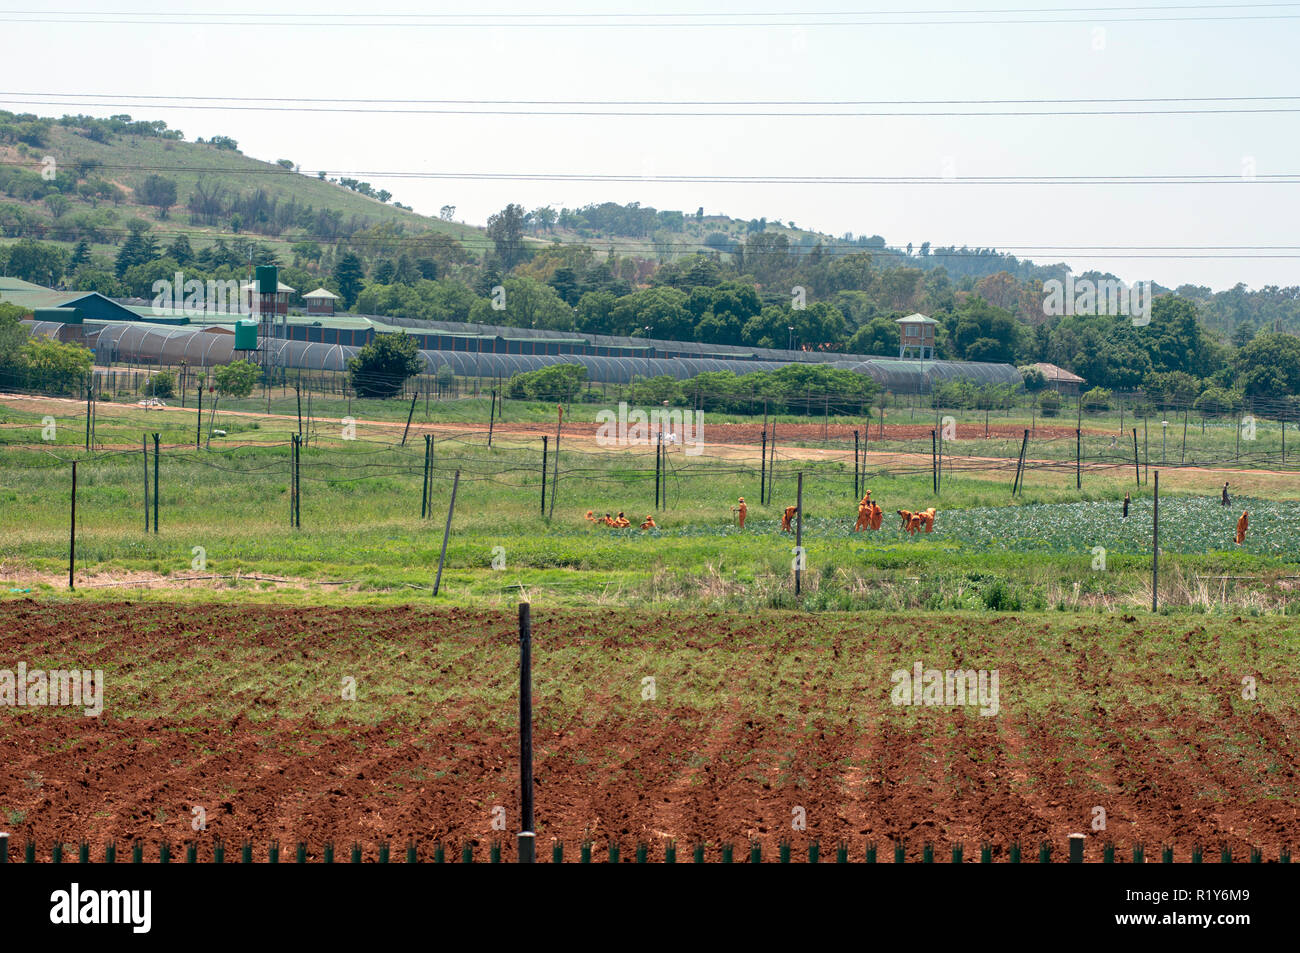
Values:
[(749, 718)]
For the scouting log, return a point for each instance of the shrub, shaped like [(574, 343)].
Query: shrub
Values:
[(237, 378), (1050, 403), (1097, 399), (161, 384), (999, 597), (382, 367)]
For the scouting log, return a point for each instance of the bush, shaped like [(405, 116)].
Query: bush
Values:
[(54, 366), (1218, 400), (382, 367), (1097, 399), (559, 382), (237, 378), (1050, 403), (1001, 598), (161, 384)]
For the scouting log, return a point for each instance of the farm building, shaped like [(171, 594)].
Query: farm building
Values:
[(325, 342), (1059, 379)]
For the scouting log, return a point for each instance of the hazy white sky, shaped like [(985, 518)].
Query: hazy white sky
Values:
[(349, 50)]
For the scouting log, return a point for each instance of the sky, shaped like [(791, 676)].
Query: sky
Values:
[(125, 55)]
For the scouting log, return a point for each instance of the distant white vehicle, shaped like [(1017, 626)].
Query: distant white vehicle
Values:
[(151, 402)]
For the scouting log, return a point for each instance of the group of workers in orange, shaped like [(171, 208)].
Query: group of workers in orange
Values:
[(620, 521), (915, 522)]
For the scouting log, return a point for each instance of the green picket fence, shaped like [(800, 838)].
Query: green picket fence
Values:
[(216, 852)]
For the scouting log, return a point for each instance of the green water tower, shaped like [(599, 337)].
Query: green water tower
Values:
[(245, 335), (268, 279)]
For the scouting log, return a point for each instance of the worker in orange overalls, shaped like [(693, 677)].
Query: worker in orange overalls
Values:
[(590, 517), (607, 520), (741, 512), (790, 512), (649, 523), (914, 524), (907, 518), (1242, 524), (864, 515), (927, 519), (622, 522), (877, 516)]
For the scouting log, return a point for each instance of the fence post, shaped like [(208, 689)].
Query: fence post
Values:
[(856, 451), (762, 469), (492, 415), (1155, 547), (545, 439), (198, 419), (798, 538), (72, 529), (424, 491), (156, 490), (527, 837), (555, 477), (771, 467), (1137, 473), (451, 508), (1078, 453), (144, 455), (934, 461), (1076, 848), (4, 847)]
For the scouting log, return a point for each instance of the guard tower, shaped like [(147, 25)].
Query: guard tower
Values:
[(916, 333)]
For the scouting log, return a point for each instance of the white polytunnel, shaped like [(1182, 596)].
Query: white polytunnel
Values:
[(154, 344)]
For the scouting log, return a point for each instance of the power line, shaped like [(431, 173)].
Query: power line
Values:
[(719, 19), (677, 114), (655, 102), (1279, 178)]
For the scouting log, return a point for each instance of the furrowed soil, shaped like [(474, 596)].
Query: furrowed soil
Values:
[(650, 727)]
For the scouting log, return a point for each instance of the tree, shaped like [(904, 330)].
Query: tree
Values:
[(1270, 366), (37, 262), (158, 191), (447, 213), (180, 250), (237, 378), (54, 366), (382, 367), (348, 274), (140, 247), (506, 229), (1034, 379)]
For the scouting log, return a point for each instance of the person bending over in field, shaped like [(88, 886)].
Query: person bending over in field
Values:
[(914, 524), (741, 512), (927, 519), (907, 518), (1242, 525), (590, 516), (607, 520), (649, 523), (790, 512)]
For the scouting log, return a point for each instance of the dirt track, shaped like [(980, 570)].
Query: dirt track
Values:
[(608, 769)]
